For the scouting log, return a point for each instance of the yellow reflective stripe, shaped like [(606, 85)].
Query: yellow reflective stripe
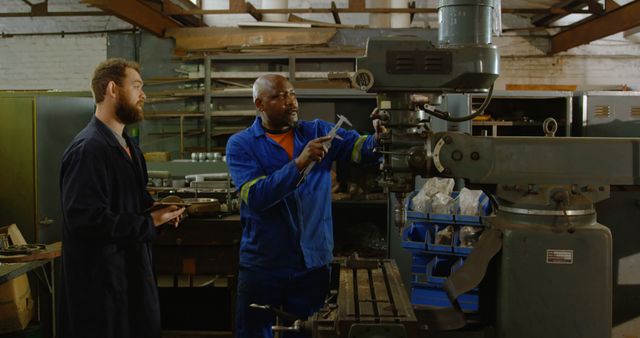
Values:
[(244, 192), (357, 149)]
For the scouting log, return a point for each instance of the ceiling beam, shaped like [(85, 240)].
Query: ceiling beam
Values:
[(552, 15), (357, 5), (362, 10), (617, 20), (595, 7), (30, 14), (253, 12), (334, 12), (136, 13), (412, 4), (238, 5), (185, 20), (610, 5), (42, 9)]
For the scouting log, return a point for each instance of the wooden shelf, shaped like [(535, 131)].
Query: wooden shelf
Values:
[(185, 133), (342, 93), (233, 113), (168, 80), (224, 83), (215, 113), (506, 123), (169, 114)]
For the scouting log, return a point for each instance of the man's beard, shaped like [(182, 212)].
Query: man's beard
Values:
[(293, 121), (126, 112)]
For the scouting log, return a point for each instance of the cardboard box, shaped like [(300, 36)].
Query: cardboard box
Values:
[(628, 329), (157, 156), (16, 304)]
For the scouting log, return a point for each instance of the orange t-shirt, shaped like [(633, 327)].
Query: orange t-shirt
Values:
[(285, 140)]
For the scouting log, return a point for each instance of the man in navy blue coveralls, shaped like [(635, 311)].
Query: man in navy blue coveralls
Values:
[(287, 237), (107, 284)]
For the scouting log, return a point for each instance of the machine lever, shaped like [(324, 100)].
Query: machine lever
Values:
[(282, 314), (297, 323), (375, 150), (296, 327)]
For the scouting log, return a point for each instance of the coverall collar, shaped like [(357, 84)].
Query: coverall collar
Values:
[(258, 130), (256, 127), (108, 134)]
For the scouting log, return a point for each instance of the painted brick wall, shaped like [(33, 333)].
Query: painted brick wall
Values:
[(53, 62), (609, 62), (50, 62)]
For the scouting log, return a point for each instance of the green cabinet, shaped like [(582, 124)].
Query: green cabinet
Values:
[(35, 130)]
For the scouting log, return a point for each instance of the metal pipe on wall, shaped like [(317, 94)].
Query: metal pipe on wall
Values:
[(378, 20), (400, 20), (275, 4)]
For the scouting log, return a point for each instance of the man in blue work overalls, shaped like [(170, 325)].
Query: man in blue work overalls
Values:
[(287, 236)]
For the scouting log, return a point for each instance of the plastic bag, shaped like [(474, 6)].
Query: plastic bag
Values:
[(436, 185), (423, 200), (421, 203), (469, 200), (442, 204)]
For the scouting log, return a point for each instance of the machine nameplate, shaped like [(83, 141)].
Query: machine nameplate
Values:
[(559, 256)]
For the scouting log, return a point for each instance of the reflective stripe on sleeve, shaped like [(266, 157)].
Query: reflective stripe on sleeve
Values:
[(356, 153), (244, 192)]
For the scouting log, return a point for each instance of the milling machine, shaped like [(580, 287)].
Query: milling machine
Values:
[(549, 255), (552, 255)]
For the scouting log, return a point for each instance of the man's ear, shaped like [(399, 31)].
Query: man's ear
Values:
[(258, 103), (111, 89)]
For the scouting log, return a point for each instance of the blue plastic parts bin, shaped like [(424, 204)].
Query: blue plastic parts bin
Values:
[(432, 263)]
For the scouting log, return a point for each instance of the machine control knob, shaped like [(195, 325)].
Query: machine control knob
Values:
[(363, 79)]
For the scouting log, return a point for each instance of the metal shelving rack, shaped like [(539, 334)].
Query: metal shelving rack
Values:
[(522, 111), (207, 94)]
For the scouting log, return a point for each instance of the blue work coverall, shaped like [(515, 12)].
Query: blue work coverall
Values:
[(287, 236), (107, 287)]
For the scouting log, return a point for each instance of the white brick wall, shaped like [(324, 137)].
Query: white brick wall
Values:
[(53, 62), (50, 62), (612, 61)]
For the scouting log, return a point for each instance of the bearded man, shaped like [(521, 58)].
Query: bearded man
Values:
[(107, 286)]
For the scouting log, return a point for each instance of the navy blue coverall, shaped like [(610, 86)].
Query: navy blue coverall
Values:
[(108, 287), (287, 238)]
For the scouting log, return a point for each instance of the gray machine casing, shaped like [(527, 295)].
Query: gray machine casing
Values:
[(402, 63), (537, 299)]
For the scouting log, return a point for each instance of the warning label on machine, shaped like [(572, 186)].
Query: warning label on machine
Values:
[(559, 256)]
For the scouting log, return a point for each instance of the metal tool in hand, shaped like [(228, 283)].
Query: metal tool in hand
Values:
[(327, 144)]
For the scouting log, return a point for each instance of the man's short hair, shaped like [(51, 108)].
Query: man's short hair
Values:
[(263, 82), (258, 87), (110, 70)]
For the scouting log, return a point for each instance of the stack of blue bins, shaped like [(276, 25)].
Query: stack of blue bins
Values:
[(432, 263)]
